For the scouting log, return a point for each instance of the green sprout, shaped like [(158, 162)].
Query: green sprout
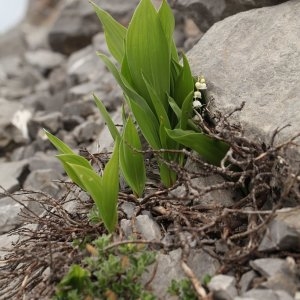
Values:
[(160, 93), (158, 89), (108, 273)]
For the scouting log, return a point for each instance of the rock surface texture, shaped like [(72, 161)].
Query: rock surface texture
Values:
[(254, 57)]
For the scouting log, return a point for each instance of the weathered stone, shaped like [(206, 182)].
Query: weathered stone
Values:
[(12, 174), (104, 142), (267, 266), (70, 122), (9, 210), (257, 294), (84, 65), (87, 132), (169, 268), (9, 67), (50, 121), (246, 281), (22, 84), (283, 232), (206, 13), (281, 275), (7, 111), (223, 287), (249, 57), (44, 60), (42, 161), (43, 180), (12, 42), (37, 101), (58, 80), (128, 209), (79, 108), (28, 151), (74, 28), (144, 225), (78, 23)]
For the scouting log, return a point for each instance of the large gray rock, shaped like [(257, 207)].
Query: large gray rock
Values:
[(78, 23), (7, 112), (206, 13), (223, 287), (12, 174), (254, 57), (44, 60), (169, 268), (283, 232), (257, 294)]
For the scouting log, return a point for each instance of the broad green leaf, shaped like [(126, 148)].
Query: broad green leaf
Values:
[(184, 83), (125, 72), (144, 116), (160, 108), (124, 84), (131, 161), (175, 71), (104, 191), (147, 50), (67, 159), (178, 112), (167, 175), (167, 21), (105, 115), (186, 110), (148, 125), (175, 107), (110, 191), (92, 184), (58, 144), (211, 150), (114, 33)]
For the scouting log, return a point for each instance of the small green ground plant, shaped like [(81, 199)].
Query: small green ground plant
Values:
[(108, 273), (159, 93)]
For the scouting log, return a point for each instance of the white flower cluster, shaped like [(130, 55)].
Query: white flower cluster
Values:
[(200, 85)]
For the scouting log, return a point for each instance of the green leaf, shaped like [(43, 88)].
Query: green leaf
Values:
[(131, 161), (186, 110), (114, 33), (144, 116), (147, 50), (211, 150), (67, 159), (167, 175), (184, 83), (148, 124), (110, 184), (104, 191), (58, 144), (160, 109), (77, 279), (167, 21), (105, 115), (175, 107)]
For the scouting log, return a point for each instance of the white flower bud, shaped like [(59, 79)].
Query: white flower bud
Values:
[(197, 104), (197, 94), (202, 86)]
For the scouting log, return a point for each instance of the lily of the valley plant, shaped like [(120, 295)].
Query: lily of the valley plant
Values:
[(159, 94)]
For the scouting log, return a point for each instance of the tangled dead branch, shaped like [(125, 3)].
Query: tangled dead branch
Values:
[(258, 174)]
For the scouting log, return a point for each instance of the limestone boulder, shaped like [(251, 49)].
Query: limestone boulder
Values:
[(77, 23), (254, 57), (205, 13)]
